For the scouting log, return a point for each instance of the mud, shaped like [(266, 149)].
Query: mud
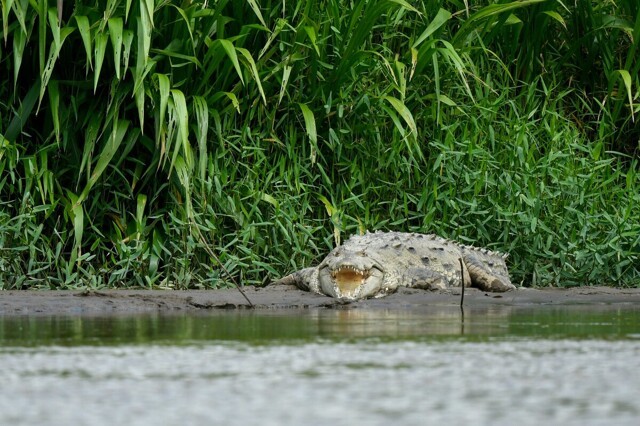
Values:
[(287, 297)]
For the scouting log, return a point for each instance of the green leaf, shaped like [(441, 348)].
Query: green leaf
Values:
[(269, 199), (446, 100), (85, 33), (475, 21), (360, 27), (143, 65), (395, 119), (406, 115), (231, 53), (286, 73), (140, 205), (54, 25), (254, 71), (148, 6), (183, 115), (436, 80), (19, 41), (138, 94), (111, 146), (51, 62), (99, 51), (310, 126), (626, 78), (144, 42), (127, 41), (42, 33), (139, 90), (234, 100), (78, 228), (311, 33), (173, 54), (54, 101), (20, 13), (331, 210), (90, 138), (76, 213), (186, 21), (182, 137), (202, 120), (115, 33), (440, 19), (556, 16), (450, 53), (182, 170), (164, 87), (256, 10), (23, 112), (6, 8), (126, 10), (512, 20), (280, 24), (110, 9)]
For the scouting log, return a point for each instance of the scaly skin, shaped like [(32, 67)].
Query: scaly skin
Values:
[(376, 264)]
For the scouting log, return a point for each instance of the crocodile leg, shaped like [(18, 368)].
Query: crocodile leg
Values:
[(424, 278), (305, 279), (483, 277)]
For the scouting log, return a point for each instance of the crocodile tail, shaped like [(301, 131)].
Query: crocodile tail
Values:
[(492, 259), (488, 269), (487, 275)]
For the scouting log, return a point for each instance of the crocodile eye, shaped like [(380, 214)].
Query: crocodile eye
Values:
[(362, 253)]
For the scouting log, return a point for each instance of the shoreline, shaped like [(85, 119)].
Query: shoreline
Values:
[(117, 302)]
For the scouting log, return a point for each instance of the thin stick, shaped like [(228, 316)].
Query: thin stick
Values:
[(212, 254), (462, 292)]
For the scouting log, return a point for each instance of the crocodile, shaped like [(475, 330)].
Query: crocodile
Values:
[(376, 264)]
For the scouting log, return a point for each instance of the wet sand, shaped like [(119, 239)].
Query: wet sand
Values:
[(101, 302)]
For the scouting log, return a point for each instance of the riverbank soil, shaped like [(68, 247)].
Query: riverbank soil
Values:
[(67, 302)]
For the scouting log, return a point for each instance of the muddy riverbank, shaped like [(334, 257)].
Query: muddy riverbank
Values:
[(286, 297)]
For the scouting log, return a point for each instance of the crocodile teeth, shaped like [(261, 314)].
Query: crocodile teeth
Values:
[(349, 268), (348, 279), (349, 273)]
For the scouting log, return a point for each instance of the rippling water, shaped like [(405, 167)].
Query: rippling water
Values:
[(570, 365)]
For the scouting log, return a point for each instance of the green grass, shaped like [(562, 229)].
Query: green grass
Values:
[(172, 144)]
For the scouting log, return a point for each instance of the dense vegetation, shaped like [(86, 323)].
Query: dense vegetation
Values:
[(175, 144)]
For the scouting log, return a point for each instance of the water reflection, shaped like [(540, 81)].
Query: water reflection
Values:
[(440, 321), (262, 327)]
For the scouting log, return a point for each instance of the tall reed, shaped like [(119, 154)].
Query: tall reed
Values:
[(138, 136)]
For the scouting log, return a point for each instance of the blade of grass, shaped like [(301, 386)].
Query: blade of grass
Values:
[(310, 126), (115, 34)]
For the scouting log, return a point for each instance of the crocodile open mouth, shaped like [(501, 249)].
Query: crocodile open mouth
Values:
[(349, 278)]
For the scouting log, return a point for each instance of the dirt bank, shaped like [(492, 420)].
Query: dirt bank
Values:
[(285, 297)]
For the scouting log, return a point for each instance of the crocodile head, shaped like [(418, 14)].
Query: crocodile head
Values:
[(350, 275)]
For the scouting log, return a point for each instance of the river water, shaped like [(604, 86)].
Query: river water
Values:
[(570, 365)]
